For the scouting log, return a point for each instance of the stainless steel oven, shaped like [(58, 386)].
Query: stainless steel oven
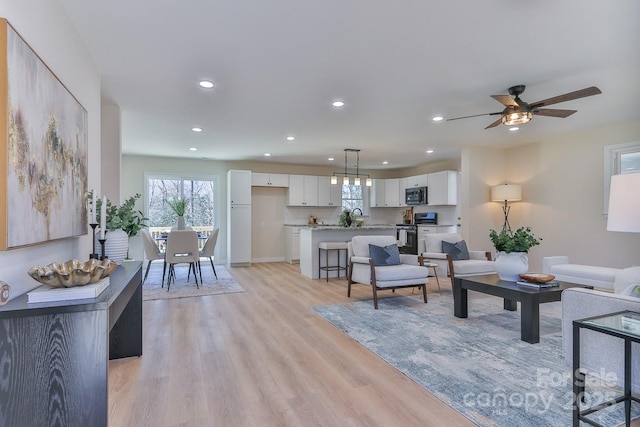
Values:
[(407, 235)]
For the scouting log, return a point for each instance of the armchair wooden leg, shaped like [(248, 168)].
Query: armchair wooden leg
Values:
[(424, 292), (349, 281), (375, 296)]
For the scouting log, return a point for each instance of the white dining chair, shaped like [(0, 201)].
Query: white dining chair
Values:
[(152, 252), (182, 247), (208, 252)]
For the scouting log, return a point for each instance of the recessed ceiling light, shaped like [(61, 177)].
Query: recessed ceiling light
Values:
[(513, 129), (267, 154), (193, 149), (338, 103), (385, 162), (331, 159), (291, 138), (196, 129), (429, 151), (206, 84), (437, 118)]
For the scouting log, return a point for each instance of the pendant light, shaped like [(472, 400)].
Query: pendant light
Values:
[(345, 179)]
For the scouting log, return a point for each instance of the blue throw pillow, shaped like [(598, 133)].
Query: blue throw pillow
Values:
[(388, 255), (458, 250)]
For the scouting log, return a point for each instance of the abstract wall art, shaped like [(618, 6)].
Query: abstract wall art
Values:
[(43, 150)]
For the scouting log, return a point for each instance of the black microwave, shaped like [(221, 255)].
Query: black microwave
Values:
[(416, 196)]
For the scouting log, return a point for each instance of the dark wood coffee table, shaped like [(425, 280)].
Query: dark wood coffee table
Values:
[(530, 299)]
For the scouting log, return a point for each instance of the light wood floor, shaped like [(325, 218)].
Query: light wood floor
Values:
[(263, 358)]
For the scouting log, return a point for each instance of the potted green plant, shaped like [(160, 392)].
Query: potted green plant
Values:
[(519, 241), (122, 221), (512, 247), (179, 207), (345, 219)]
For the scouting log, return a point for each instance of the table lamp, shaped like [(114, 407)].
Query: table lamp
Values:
[(624, 203)]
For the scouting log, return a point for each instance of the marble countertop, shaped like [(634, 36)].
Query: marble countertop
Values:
[(333, 227)]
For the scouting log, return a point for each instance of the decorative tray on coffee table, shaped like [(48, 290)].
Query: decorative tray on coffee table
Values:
[(538, 280), (537, 277)]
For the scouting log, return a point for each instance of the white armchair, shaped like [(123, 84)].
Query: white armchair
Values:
[(362, 268), (479, 262), (600, 353)]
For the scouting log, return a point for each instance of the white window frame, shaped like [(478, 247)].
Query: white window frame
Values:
[(183, 176)]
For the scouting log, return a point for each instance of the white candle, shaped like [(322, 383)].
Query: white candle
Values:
[(103, 217), (93, 207)]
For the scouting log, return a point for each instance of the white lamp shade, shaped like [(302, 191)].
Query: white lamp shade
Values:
[(345, 180), (334, 179), (508, 192), (624, 203)]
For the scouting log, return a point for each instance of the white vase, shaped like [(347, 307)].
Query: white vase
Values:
[(509, 266), (180, 223), (115, 247)]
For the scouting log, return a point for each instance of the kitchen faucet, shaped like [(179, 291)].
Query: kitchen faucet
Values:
[(357, 209)]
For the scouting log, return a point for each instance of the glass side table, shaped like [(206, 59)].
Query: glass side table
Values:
[(624, 325)]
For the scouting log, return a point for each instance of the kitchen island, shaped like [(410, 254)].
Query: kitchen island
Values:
[(311, 236)]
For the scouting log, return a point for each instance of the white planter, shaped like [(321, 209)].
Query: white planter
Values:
[(509, 266), (116, 245)]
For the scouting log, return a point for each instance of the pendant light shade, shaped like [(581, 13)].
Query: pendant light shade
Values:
[(334, 179)]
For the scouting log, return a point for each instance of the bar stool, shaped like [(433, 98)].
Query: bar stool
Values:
[(327, 247)]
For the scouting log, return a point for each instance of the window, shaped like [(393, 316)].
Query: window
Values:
[(619, 159), (352, 197), (201, 195)]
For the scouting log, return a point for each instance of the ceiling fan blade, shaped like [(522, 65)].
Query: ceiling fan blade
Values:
[(505, 100), (475, 115), (494, 124), (553, 112), (589, 91)]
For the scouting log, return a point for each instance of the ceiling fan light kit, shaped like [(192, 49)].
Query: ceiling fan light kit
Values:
[(517, 118), (518, 112)]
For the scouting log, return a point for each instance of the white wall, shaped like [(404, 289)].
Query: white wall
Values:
[(562, 192), (44, 25), (110, 152)]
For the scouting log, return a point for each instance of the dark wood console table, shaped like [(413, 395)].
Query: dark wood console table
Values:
[(54, 356)]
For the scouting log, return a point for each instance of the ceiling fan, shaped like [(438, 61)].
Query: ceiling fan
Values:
[(518, 112)]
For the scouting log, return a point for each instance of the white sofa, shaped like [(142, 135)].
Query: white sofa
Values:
[(598, 277), (600, 353)]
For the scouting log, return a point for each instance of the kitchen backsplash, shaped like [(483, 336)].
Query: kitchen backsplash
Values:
[(326, 215)]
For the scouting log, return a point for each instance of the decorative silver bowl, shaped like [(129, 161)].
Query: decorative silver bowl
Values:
[(73, 272)]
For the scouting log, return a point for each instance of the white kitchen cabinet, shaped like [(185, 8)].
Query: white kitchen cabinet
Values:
[(417, 181), (239, 242), (329, 194), (403, 199), (259, 179), (392, 193), (442, 189), (239, 217), (292, 244), (239, 187), (377, 194), (303, 190)]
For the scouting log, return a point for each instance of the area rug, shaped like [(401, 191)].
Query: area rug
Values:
[(478, 366), (182, 288)]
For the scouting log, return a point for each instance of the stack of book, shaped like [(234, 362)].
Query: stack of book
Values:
[(539, 285)]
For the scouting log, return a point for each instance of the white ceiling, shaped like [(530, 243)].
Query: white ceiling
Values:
[(278, 64)]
